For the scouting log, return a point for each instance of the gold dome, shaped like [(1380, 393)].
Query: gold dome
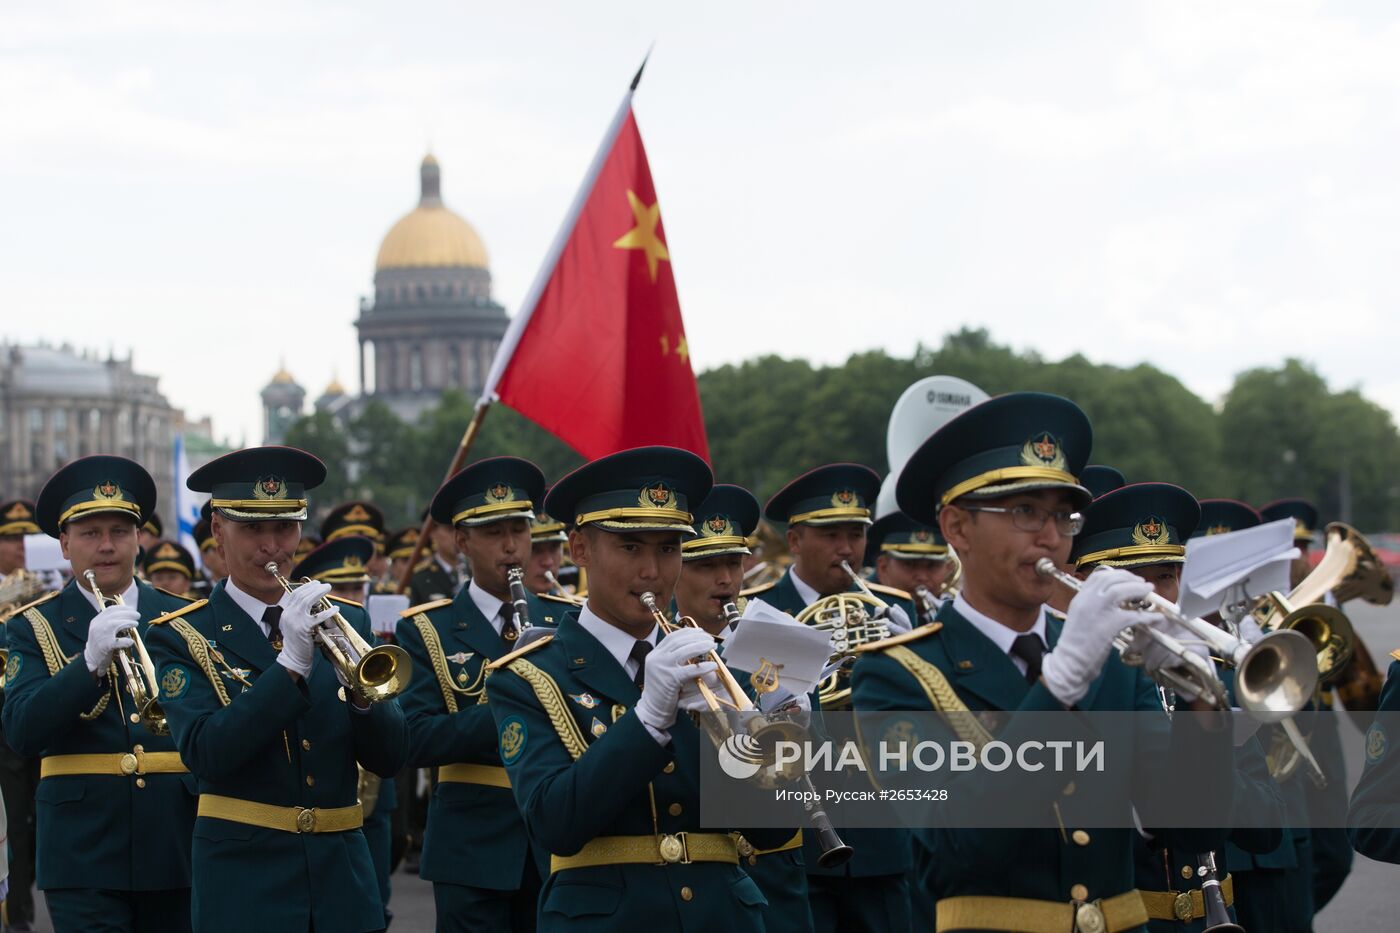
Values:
[(282, 377), (335, 388), (430, 235)]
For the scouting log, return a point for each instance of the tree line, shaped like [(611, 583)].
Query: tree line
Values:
[(1278, 431)]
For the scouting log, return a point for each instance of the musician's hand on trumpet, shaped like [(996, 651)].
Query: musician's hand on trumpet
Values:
[(1102, 608), (297, 623), (108, 632), (666, 671)]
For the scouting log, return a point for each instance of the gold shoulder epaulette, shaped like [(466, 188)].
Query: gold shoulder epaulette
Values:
[(348, 602), (165, 617), (423, 564), (505, 659), (424, 607), (761, 588), (893, 591), (903, 638), (188, 599), (42, 599), (1394, 654)]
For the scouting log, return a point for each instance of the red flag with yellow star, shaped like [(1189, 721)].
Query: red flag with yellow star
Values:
[(597, 353)]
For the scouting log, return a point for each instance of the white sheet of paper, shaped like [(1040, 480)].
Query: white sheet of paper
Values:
[(44, 553), (766, 634), (384, 609), (1258, 557)]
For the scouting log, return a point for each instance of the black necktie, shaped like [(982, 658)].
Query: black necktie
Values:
[(508, 630), (272, 615), (1031, 649), (639, 654)]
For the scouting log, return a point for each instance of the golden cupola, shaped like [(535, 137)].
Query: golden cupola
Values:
[(431, 236)]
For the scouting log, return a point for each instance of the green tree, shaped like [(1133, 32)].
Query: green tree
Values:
[(319, 434)]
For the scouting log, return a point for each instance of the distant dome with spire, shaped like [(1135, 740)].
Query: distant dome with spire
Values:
[(431, 235)]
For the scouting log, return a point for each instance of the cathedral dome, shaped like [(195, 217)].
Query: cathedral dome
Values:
[(430, 235)]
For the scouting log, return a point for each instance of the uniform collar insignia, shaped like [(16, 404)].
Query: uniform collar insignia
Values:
[(586, 700)]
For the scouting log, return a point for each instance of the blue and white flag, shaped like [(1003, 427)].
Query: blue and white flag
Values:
[(186, 506)]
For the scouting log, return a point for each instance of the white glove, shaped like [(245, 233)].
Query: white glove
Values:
[(1096, 615), (667, 669), (298, 646), (692, 700), (896, 618), (105, 635), (1154, 657), (1249, 629)]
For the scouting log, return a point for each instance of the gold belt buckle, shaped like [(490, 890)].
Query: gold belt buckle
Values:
[(673, 849), (129, 763), (1181, 907), (306, 821), (1089, 919)]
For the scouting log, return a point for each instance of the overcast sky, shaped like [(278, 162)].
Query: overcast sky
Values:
[(1202, 186)]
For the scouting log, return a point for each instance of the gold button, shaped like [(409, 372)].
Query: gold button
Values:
[(1069, 789), (1080, 837), (140, 782), (1186, 871), (686, 893), (670, 767), (1079, 893), (310, 781), (306, 745), (674, 809)]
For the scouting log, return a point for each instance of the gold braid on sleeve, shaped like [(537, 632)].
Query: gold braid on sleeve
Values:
[(55, 660), (552, 700), (941, 695), (200, 654)]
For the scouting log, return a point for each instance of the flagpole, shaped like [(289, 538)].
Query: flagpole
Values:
[(511, 340)]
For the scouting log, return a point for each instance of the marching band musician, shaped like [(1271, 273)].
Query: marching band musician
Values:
[(485, 871), (439, 576), (907, 555), (150, 532), (399, 550), (827, 513), (712, 573), (265, 723), (343, 563), (19, 774), (1327, 806), (1142, 528), (1373, 820), (364, 519), (1000, 479), (170, 567), (115, 805), (547, 540), (1273, 889), (209, 554), (592, 723)]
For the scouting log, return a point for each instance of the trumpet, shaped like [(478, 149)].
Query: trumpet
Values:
[(374, 674), (1277, 674), (559, 590), (739, 724), (137, 669)]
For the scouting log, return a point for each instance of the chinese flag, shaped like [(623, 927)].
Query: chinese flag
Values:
[(597, 355)]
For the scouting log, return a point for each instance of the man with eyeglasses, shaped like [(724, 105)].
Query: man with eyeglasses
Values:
[(1000, 481)]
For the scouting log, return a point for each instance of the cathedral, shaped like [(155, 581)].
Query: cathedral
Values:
[(431, 326)]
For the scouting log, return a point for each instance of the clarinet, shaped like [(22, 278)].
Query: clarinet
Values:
[(1217, 915), (520, 608), (731, 616)]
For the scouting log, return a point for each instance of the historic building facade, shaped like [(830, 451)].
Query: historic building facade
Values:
[(57, 404)]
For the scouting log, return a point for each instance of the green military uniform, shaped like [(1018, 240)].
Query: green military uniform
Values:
[(485, 873), (1373, 820), (616, 806), (723, 523), (344, 559), (114, 804), (871, 890), (431, 581), (19, 775), (983, 878), (277, 843), (171, 555), (1146, 525)]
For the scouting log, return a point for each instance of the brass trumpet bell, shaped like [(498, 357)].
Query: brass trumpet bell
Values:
[(1277, 676), (379, 675), (1325, 627)]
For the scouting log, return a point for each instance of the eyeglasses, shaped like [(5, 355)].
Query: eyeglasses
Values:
[(1032, 518)]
